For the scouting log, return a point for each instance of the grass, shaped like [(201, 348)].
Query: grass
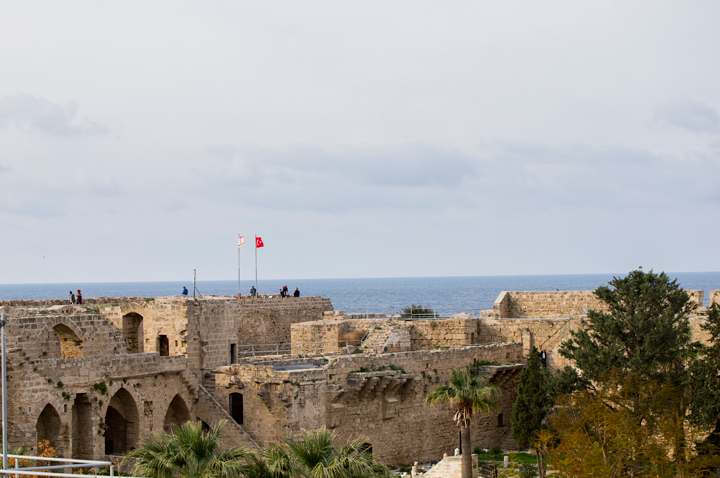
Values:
[(497, 455)]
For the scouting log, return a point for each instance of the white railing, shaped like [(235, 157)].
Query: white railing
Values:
[(44, 470)]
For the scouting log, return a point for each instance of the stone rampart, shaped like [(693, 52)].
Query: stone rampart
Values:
[(557, 304)]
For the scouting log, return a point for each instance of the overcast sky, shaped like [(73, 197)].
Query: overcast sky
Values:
[(363, 139)]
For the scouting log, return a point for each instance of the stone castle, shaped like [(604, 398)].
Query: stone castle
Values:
[(97, 379)]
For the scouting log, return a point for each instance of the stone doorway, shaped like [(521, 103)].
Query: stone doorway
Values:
[(82, 436), (121, 424), (236, 407), (163, 346), (132, 328)]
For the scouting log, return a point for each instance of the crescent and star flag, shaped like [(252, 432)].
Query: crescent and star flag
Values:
[(241, 241), (259, 242)]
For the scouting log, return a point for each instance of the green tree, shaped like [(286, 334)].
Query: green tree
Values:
[(413, 310), (705, 403), (187, 451), (469, 394), (314, 455), (532, 404), (644, 335)]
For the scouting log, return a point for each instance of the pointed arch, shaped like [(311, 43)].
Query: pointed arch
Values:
[(122, 423), (70, 344), (48, 426), (177, 413), (132, 328)]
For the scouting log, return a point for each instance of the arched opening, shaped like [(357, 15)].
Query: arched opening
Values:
[(365, 448), (70, 345), (236, 407), (177, 413), (48, 426), (121, 424), (82, 438), (132, 327)]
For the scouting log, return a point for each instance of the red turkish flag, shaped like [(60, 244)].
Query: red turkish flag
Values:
[(259, 242), (241, 241)]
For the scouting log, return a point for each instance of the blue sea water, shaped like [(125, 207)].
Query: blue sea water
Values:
[(354, 295)]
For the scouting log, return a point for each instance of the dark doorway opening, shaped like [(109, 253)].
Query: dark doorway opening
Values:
[(132, 325), (500, 420), (233, 354), (82, 440), (163, 346), (236, 407)]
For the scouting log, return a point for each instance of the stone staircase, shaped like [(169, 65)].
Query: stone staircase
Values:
[(210, 411), (451, 467), (375, 341), (508, 444)]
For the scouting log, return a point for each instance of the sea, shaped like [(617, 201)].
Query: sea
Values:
[(381, 295)]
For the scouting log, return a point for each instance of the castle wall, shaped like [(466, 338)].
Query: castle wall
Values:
[(557, 304), (377, 397)]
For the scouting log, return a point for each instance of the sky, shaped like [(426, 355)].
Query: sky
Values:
[(358, 139)]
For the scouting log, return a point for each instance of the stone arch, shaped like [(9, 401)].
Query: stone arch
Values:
[(132, 329), (61, 338), (48, 427), (177, 413), (122, 423), (71, 346)]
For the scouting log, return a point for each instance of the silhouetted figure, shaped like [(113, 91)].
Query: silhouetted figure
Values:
[(296, 293), (79, 297), (253, 291)]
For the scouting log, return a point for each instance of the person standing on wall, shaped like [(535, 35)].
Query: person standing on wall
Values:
[(72, 297), (253, 292), (296, 293), (79, 297), (285, 291)]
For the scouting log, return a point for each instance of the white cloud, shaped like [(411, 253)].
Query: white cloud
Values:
[(690, 115), (39, 115)]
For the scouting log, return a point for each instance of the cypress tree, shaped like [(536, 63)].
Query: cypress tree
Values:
[(532, 404)]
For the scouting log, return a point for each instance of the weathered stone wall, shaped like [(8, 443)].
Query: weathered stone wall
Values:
[(378, 397), (549, 304), (56, 336)]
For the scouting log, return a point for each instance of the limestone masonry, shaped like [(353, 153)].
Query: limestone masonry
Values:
[(97, 379)]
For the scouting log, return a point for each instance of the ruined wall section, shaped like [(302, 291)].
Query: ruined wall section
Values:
[(377, 397), (56, 336)]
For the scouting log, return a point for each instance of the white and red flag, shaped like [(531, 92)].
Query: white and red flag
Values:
[(258, 242), (241, 241)]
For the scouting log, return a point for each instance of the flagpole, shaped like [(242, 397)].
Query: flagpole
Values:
[(256, 265), (239, 291)]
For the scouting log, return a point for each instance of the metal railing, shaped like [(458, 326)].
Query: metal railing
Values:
[(293, 348), (394, 313), (45, 470)]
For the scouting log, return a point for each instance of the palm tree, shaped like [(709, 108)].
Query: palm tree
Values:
[(315, 456), (469, 394), (187, 451)]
